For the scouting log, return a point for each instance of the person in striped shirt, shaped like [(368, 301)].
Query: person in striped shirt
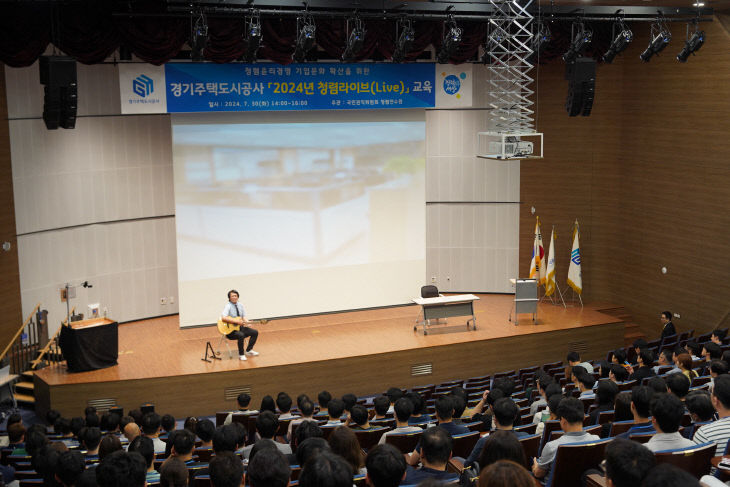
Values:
[(718, 432)]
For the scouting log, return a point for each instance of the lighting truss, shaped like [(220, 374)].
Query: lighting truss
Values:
[(507, 52)]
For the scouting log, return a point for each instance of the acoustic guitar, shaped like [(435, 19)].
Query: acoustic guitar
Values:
[(226, 328)]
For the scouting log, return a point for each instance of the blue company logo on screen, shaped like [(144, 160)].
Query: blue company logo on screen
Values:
[(575, 256), (143, 86)]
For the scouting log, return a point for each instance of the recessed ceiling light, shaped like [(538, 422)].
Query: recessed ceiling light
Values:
[(698, 4)]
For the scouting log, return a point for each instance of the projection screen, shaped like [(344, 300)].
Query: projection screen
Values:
[(301, 213)]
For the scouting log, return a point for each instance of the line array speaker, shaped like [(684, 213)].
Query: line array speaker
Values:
[(581, 76), (58, 76)]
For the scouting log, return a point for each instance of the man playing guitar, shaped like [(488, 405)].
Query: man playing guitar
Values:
[(234, 314)]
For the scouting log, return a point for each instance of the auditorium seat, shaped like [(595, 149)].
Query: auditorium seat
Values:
[(220, 417), (369, 438), (463, 443), (643, 438), (572, 459), (531, 446), (618, 427), (405, 442), (606, 416), (695, 459), (527, 428), (31, 482)]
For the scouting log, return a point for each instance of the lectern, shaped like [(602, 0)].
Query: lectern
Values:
[(90, 344), (525, 299)]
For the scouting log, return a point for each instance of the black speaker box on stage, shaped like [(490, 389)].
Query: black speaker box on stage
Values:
[(58, 76), (581, 76)]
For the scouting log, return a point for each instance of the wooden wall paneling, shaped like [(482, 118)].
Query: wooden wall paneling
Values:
[(10, 308), (650, 164)]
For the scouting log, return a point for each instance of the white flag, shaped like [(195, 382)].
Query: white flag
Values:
[(575, 278), (550, 283)]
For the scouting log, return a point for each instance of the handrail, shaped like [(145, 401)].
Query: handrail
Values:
[(20, 330), (50, 343)]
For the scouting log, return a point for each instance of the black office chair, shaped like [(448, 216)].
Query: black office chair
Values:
[(429, 291)]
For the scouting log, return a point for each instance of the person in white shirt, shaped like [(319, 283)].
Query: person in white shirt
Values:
[(666, 415), (403, 409), (574, 360), (570, 411), (306, 407), (243, 401), (283, 403), (234, 314)]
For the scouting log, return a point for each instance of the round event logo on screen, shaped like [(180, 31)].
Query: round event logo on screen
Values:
[(452, 84)]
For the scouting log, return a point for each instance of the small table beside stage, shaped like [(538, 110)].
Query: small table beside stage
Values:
[(90, 344), (445, 307)]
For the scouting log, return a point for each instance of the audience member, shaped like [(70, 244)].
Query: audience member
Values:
[(664, 360), (108, 445), (684, 361), (627, 463), (699, 405), (657, 384), (570, 411), (146, 448), (131, 431), (381, 404), (543, 380), (326, 470), (359, 418), (718, 432), (553, 403), (394, 393), (694, 349), (667, 475), (350, 400), (618, 373), (678, 384), (267, 426), (585, 386), (310, 448), (308, 429), (335, 409), (151, 429), (668, 328), (225, 439), (718, 336), (344, 443), (505, 473), (205, 429), (641, 410), (403, 408), (606, 393), (385, 465), (573, 359), (283, 403), (323, 399), (711, 351), (666, 415), (70, 467), (173, 473), (435, 452), (645, 360), (225, 470), (501, 445), (419, 414), (268, 468), (505, 412), (122, 469), (550, 391), (306, 408), (167, 421), (268, 404)]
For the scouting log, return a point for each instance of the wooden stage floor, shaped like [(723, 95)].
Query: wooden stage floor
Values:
[(363, 352)]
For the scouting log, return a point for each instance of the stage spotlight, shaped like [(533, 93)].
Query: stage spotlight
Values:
[(450, 42), (581, 38), (405, 40), (198, 37), (355, 40), (540, 40), (660, 37), (306, 31), (622, 37), (253, 37), (692, 44)]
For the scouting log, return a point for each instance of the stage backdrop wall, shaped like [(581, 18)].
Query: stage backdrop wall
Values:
[(96, 203), (93, 203)]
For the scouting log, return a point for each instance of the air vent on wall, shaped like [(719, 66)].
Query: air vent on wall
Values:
[(580, 347), (102, 404), (231, 393), (421, 369)]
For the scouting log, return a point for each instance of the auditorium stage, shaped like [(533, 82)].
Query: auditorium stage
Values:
[(363, 352)]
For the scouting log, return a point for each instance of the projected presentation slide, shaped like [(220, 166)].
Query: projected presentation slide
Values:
[(301, 217)]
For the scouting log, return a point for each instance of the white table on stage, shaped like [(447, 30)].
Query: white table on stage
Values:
[(445, 307)]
